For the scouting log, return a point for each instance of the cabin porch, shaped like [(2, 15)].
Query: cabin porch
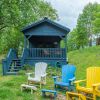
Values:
[(42, 43), (13, 63), (49, 55)]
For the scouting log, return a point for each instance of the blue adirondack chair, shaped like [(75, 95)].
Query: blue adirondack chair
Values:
[(67, 78)]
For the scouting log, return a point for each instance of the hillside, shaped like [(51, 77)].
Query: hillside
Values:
[(10, 85), (84, 58)]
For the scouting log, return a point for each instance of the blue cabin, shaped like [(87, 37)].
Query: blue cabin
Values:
[(42, 41)]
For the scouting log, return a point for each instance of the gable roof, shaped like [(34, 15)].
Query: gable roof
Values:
[(48, 21)]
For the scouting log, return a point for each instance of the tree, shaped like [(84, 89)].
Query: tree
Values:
[(85, 25), (15, 14), (82, 38), (96, 24), (72, 40), (88, 25)]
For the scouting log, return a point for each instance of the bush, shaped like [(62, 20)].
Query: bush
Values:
[(27, 67), (21, 72)]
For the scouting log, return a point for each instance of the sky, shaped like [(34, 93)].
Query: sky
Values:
[(68, 10)]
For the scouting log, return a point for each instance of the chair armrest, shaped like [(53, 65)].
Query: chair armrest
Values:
[(29, 74), (44, 75), (96, 85), (79, 81), (72, 79), (55, 78)]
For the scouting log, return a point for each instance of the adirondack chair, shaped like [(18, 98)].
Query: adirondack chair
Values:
[(92, 83), (74, 96), (40, 74), (67, 77)]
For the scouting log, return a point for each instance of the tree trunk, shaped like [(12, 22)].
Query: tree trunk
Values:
[(98, 41), (90, 42)]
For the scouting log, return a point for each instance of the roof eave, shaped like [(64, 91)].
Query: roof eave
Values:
[(46, 20)]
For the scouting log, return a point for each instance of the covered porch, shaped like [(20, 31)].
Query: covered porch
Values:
[(45, 53), (42, 43)]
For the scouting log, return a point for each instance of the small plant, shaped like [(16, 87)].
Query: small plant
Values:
[(21, 72), (27, 67)]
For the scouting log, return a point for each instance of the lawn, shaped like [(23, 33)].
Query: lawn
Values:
[(10, 85)]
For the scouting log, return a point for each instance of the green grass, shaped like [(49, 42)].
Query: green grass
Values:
[(83, 59), (10, 85)]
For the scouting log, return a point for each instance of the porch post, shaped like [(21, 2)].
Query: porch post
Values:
[(25, 42), (65, 40)]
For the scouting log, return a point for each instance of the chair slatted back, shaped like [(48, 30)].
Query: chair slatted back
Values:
[(40, 69), (93, 76), (68, 72)]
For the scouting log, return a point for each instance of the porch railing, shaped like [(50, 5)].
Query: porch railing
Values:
[(48, 53)]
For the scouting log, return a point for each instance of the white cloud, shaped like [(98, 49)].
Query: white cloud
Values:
[(68, 10)]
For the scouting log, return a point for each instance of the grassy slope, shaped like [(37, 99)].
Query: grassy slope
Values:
[(10, 85), (84, 58)]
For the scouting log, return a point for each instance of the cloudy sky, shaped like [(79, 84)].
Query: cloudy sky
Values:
[(68, 10)]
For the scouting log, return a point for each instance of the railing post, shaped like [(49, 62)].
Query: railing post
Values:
[(4, 66), (25, 54), (65, 46)]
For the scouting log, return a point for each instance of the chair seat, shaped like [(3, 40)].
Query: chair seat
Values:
[(84, 89), (62, 84), (34, 79)]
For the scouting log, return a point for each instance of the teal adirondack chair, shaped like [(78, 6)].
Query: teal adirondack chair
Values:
[(67, 78)]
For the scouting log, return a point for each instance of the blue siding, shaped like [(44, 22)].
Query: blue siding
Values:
[(52, 62), (45, 30)]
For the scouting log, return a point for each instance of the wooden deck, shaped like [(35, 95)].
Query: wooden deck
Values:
[(30, 56), (46, 53)]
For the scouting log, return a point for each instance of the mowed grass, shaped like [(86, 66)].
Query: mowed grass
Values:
[(10, 85), (84, 58)]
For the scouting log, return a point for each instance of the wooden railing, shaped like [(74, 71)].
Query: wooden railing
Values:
[(6, 62), (49, 53)]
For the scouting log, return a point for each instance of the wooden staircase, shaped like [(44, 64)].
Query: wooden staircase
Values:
[(12, 64), (14, 67)]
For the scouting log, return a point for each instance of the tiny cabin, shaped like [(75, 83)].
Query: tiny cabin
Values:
[(42, 42)]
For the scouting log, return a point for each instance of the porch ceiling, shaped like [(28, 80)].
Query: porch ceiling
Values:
[(44, 39)]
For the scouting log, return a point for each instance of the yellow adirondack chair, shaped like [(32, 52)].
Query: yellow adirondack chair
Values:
[(74, 96), (92, 83)]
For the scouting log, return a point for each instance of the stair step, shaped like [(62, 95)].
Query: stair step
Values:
[(11, 73), (10, 70), (16, 59), (18, 64), (15, 67)]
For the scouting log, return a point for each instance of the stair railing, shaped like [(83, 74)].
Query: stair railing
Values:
[(12, 54), (24, 56)]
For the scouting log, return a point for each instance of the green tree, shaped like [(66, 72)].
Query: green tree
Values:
[(88, 25), (96, 24), (85, 25), (15, 14), (72, 43), (96, 21)]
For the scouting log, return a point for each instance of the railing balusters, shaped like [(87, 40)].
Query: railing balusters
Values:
[(47, 53)]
